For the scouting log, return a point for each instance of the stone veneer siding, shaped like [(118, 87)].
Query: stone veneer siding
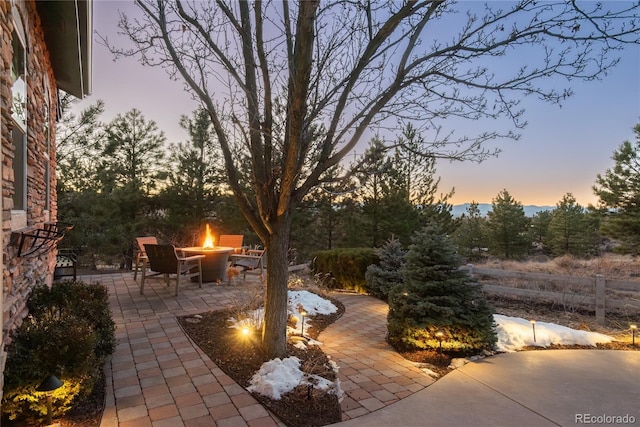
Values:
[(21, 274)]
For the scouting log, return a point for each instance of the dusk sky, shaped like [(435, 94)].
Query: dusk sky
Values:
[(561, 150)]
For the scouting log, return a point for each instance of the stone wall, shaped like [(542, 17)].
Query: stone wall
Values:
[(20, 274)]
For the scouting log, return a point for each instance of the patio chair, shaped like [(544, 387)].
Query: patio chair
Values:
[(252, 259), (140, 254), (164, 260), (233, 241)]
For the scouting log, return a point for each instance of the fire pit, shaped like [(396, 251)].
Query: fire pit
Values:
[(214, 264)]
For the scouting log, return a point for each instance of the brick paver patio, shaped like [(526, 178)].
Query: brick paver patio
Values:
[(372, 374), (158, 377)]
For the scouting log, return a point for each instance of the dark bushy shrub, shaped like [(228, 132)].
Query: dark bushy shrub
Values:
[(69, 333), (63, 347), (74, 298), (347, 265), (380, 278), (438, 297)]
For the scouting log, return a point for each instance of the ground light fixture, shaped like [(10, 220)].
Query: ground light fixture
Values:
[(440, 336), (633, 328), (303, 313), (245, 333), (533, 326), (47, 386)]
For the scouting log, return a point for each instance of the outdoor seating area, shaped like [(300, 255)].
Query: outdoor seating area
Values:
[(208, 263)]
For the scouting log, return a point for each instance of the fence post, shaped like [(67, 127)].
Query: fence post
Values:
[(470, 269), (600, 298)]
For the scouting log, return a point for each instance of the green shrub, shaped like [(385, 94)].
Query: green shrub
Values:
[(62, 347), (382, 278), (347, 265), (438, 297), (68, 333), (75, 298)]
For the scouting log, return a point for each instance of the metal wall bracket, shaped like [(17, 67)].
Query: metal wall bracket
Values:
[(36, 241)]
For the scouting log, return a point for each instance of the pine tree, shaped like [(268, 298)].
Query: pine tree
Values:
[(385, 276), (470, 236), (618, 191), (79, 200), (416, 175), (571, 231), (508, 227), (131, 170), (438, 297), (540, 230), (385, 206), (195, 181)]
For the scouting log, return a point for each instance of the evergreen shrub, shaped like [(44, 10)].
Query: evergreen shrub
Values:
[(347, 265), (69, 333), (74, 298), (382, 277), (438, 297)]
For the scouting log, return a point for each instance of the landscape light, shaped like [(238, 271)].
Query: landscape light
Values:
[(48, 385), (303, 314), (440, 336), (533, 325), (245, 333), (633, 328)]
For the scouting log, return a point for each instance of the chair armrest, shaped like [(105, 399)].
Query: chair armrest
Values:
[(191, 258), (233, 256)]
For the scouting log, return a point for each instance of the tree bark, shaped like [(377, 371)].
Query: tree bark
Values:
[(274, 329)]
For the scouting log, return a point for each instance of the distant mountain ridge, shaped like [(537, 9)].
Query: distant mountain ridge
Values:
[(529, 210)]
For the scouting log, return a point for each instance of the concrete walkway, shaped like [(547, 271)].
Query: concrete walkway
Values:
[(532, 388), (158, 377)]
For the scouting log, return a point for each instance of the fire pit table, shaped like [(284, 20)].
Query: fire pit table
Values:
[(214, 264)]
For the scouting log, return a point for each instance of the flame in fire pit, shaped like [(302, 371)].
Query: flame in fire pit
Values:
[(208, 239)]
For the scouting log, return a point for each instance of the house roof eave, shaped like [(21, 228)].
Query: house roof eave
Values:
[(68, 27)]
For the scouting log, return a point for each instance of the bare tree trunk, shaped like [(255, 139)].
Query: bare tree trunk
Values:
[(274, 330)]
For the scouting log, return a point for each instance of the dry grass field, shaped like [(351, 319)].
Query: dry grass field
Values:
[(570, 312), (612, 266)]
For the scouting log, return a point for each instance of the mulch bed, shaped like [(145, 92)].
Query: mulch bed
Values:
[(240, 357)]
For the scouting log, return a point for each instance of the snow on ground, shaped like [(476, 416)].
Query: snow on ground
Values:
[(311, 303), (515, 333), (277, 377), (298, 301)]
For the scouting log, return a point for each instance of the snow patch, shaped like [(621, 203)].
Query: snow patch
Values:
[(515, 333), (279, 376)]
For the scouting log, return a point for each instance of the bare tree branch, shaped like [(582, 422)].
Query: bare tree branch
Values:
[(293, 87)]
